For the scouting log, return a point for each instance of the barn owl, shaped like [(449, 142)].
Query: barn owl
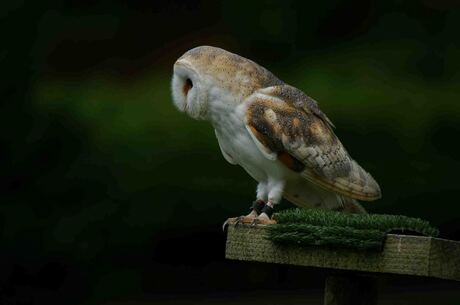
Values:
[(274, 131)]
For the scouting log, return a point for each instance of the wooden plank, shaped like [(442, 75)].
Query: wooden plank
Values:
[(402, 254)]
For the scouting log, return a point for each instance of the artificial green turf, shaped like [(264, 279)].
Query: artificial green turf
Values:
[(306, 227)]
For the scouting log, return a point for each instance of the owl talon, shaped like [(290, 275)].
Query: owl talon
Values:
[(224, 225), (232, 221), (239, 220)]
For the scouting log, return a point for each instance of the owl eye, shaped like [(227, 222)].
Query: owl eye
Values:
[(187, 86)]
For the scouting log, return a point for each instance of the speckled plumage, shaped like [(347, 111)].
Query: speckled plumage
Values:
[(274, 131)]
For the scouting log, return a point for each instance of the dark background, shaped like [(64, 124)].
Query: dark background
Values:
[(109, 195)]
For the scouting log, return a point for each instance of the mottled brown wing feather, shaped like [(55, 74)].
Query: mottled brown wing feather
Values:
[(303, 140)]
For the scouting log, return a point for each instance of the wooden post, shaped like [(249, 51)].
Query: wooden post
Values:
[(350, 290), (401, 254)]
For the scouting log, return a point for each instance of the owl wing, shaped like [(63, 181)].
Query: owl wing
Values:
[(289, 126)]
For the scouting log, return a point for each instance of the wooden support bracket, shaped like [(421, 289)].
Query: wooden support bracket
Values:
[(401, 254)]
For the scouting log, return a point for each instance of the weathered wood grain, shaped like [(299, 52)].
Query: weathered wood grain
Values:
[(402, 254)]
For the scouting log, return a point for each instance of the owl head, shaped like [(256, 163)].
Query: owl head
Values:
[(190, 83), (206, 74)]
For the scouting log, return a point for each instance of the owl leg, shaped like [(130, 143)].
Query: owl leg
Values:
[(256, 208), (262, 191), (274, 197)]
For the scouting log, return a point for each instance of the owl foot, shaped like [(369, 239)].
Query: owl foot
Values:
[(238, 220), (256, 209), (248, 219), (263, 221), (265, 217)]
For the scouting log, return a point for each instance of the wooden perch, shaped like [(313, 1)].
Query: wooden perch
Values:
[(401, 254)]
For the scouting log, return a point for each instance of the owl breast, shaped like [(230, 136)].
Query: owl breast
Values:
[(243, 151), (236, 141)]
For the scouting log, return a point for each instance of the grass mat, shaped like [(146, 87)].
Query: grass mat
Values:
[(306, 227)]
